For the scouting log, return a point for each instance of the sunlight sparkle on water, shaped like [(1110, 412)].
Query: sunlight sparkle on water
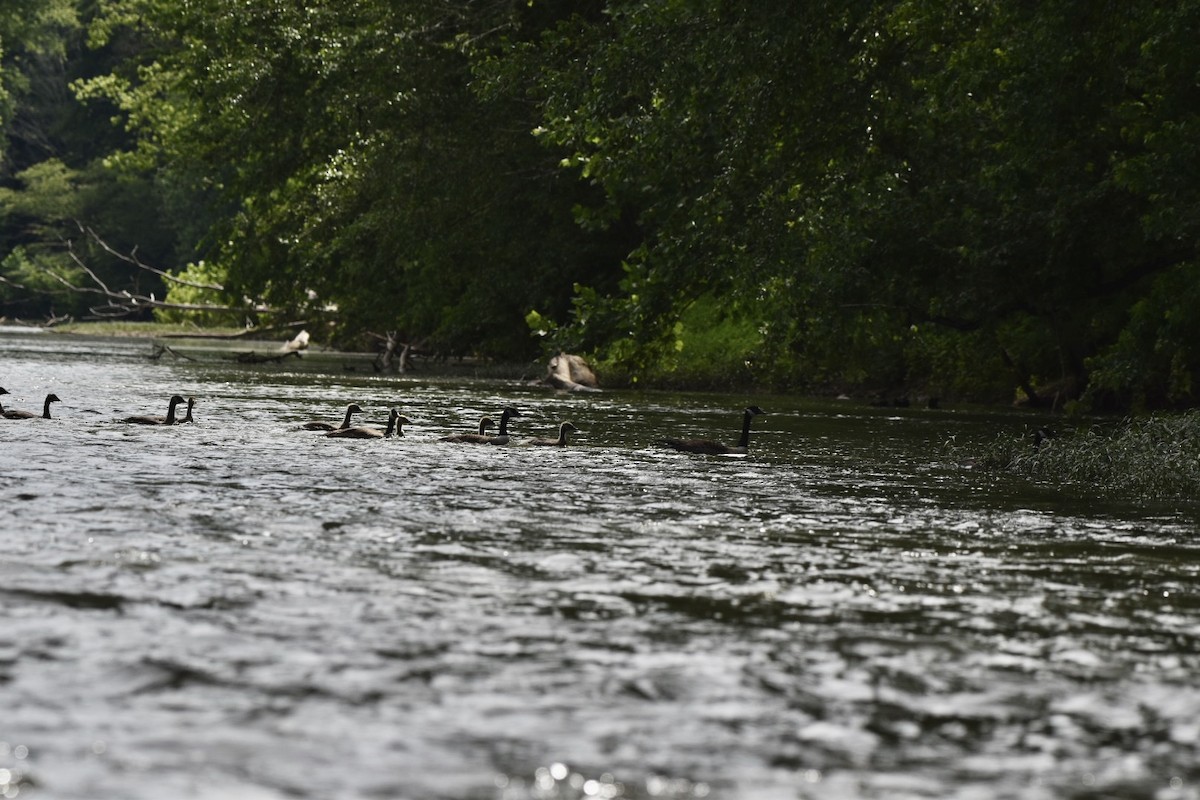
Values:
[(848, 617)]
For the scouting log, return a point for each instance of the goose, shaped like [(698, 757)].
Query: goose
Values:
[(710, 447), (353, 408), (563, 429), (188, 416), (396, 423), (501, 436), (473, 438), (18, 414), (169, 419), (1041, 436)]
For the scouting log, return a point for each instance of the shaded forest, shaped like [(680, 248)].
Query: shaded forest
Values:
[(983, 201)]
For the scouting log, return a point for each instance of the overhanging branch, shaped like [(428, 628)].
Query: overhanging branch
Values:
[(136, 302), (131, 258)]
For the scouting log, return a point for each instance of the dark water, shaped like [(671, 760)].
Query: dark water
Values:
[(239, 609)]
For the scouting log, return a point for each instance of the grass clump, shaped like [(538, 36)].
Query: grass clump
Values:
[(1156, 457)]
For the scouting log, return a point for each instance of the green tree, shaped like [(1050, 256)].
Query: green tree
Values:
[(926, 192), (56, 177), (359, 166)]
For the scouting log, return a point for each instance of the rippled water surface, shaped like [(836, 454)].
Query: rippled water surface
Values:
[(241, 609)]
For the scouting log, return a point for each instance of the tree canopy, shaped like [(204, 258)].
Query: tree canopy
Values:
[(921, 196)]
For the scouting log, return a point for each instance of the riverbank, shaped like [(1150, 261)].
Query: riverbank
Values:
[(151, 330), (189, 342)]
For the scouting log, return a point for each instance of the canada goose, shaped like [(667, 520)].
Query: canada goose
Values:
[(1041, 436), (18, 414), (188, 416), (561, 441), (710, 447), (396, 423), (501, 436), (169, 419), (353, 408), (473, 438)]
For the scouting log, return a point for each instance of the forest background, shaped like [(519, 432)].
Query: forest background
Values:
[(977, 200)]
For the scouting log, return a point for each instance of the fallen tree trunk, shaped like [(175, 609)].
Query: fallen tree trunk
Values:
[(259, 358)]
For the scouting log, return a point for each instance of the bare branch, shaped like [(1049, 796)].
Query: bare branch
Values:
[(130, 302), (79, 262), (132, 258), (124, 302)]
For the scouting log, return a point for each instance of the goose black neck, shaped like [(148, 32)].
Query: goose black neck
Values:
[(175, 401), (745, 440)]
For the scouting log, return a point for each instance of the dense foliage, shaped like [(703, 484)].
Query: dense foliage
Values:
[(923, 196)]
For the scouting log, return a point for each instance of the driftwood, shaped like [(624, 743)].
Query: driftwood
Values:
[(258, 358), (296, 343), (288, 348), (248, 333), (571, 374), (161, 349), (388, 359)]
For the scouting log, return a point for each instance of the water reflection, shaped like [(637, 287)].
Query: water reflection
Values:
[(240, 608)]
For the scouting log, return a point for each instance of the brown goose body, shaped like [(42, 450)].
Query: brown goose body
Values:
[(396, 423), (169, 419), (473, 438), (351, 409), (714, 448), (15, 413), (564, 430)]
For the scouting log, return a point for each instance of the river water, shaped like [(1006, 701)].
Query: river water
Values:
[(241, 609)]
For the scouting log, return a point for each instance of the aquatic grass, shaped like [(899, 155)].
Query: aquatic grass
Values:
[(1156, 457)]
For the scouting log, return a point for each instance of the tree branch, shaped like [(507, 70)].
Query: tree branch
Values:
[(132, 258), (130, 301)]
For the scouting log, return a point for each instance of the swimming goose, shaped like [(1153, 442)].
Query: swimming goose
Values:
[(18, 414), (188, 416), (353, 408), (501, 436), (714, 448), (473, 438), (169, 419), (561, 441), (396, 423)]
